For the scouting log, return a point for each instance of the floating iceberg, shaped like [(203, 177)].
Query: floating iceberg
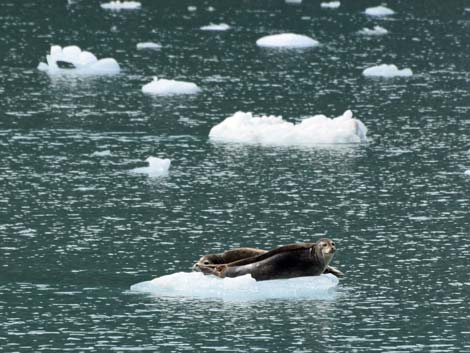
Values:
[(73, 60), (124, 5), (271, 130), (157, 167), (149, 45), (376, 31), (244, 288), (385, 70), (330, 5), (164, 87), (286, 40), (216, 27), (379, 11)]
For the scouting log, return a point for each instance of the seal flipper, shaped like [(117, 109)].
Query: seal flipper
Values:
[(333, 271), (216, 270)]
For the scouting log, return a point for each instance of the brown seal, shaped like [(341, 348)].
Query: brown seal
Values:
[(293, 260)]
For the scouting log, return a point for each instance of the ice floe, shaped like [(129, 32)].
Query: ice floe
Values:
[(244, 288), (216, 27), (385, 70), (105, 153), (149, 45), (72, 59), (121, 5), (271, 130), (467, 172), (330, 5), (376, 31), (157, 167), (286, 40), (379, 11), (163, 87)]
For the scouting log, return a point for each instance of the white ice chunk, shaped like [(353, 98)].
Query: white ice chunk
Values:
[(330, 5), (164, 87), (294, 2), (216, 27), (467, 172), (286, 40), (271, 130), (192, 8), (105, 153), (385, 70), (157, 167), (243, 288), (124, 5), (376, 31), (149, 45), (82, 62), (379, 11)]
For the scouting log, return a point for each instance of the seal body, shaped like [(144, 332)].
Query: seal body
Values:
[(294, 260), (228, 256)]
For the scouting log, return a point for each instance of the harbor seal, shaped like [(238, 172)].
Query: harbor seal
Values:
[(293, 260)]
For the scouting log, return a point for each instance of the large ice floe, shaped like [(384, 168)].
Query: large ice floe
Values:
[(286, 40), (244, 288), (72, 60), (385, 70), (157, 167), (379, 11), (216, 27), (376, 31), (121, 5), (149, 45), (330, 5), (274, 131), (162, 87)]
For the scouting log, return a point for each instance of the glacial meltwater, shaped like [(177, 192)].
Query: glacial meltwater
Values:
[(108, 195)]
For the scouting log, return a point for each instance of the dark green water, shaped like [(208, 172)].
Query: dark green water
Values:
[(77, 230)]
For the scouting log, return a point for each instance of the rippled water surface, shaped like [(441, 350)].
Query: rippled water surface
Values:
[(77, 228)]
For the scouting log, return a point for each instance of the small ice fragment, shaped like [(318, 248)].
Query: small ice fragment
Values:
[(211, 9), (385, 70), (72, 60), (216, 27), (162, 87), (330, 5), (293, 2), (157, 167), (243, 288), (149, 45), (376, 31), (379, 11), (104, 153), (124, 5), (271, 130), (467, 172), (287, 40), (192, 8)]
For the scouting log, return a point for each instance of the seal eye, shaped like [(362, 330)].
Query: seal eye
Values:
[(332, 243), (324, 244), (206, 262)]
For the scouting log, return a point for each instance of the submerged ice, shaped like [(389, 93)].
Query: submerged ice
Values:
[(157, 167), (72, 59), (271, 130), (286, 40), (197, 285), (162, 87), (385, 70)]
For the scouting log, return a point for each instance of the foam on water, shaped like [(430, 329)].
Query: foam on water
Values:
[(216, 27), (330, 5), (286, 40), (271, 130), (149, 45), (379, 11), (164, 87), (85, 63), (376, 31), (385, 70), (124, 5), (157, 167), (197, 285)]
